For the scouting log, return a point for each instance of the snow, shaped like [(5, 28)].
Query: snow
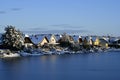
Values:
[(11, 55), (94, 38), (26, 35), (75, 37), (36, 38), (48, 36), (57, 37)]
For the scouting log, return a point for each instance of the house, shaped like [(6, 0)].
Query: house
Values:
[(52, 39), (28, 42), (70, 38), (90, 41), (39, 40), (78, 39), (85, 41), (101, 42), (35, 40)]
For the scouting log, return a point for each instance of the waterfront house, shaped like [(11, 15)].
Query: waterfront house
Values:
[(90, 41), (28, 42), (52, 39), (100, 42), (78, 39), (71, 40), (35, 40), (39, 40), (85, 41)]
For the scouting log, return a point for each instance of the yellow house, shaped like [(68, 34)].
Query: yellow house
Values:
[(101, 42), (97, 42)]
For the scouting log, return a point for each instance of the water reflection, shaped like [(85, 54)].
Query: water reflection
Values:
[(102, 66)]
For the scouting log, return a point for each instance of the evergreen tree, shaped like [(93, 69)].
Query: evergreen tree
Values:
[(12, 38), (65, 40)]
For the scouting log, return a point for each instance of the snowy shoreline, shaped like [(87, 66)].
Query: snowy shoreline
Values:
[(4, 53)]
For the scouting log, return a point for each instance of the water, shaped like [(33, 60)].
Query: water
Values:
[(99, 66)]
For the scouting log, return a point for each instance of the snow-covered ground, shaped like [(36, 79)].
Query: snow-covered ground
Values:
[(4, 53)]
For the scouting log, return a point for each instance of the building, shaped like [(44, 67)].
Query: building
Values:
[(28, 42), (100, 42), (36, 40), (52, 39)]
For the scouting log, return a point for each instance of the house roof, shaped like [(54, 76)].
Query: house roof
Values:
[(48, 36), (57, 37), (75, 37), (26, 35), (103, 40), (113, 39), (37, 38), (94, 38), (27, 40)]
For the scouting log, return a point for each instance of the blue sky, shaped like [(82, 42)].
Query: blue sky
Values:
[(90, 17)]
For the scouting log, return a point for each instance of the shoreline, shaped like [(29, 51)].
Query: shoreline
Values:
[(62, 52)]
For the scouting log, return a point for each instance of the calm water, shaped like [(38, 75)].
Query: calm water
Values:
[(102, 66)]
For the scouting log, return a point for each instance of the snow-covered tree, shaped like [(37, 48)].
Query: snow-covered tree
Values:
[(65, 40), (12, 38)]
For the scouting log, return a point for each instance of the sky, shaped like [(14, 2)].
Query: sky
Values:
[(85, 17)]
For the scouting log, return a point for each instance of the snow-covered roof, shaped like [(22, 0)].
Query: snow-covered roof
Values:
[(26, 35), (106, 38), (103, 40), (83, 38), (36, 38), (94, 38), (48, 36), (58, 37), (113, 39), (75, 37)]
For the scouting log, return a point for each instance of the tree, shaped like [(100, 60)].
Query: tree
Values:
[(12, 38), (65, 40)]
